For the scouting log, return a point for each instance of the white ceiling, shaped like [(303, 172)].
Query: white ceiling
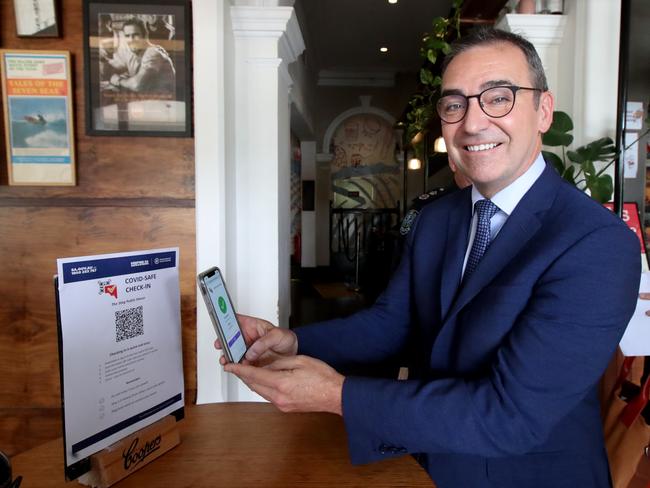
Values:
[(345, 35)]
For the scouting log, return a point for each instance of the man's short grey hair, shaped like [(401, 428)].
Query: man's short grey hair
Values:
[(483, 36)]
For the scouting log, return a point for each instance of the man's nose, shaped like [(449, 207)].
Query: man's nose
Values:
[(475, 119)]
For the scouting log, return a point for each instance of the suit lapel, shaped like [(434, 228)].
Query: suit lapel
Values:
[(457, 235), (524, 222)]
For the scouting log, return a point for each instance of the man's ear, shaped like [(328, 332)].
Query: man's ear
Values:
[(545, 111)]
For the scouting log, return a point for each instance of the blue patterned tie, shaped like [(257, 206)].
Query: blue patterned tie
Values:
[(485, 210)]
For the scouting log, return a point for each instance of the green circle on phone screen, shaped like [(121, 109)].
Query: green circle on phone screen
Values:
[(222, 305)]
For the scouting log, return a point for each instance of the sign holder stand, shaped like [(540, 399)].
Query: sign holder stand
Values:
[(128, 455), (100, 453)]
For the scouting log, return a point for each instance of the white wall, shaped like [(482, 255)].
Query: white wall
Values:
[(210, 168)]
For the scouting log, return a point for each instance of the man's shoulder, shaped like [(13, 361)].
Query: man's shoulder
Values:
[(574, 217), (447, 202), (422, 203), (154, 52), (579, 208)]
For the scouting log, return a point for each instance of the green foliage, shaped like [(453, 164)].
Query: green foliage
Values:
[(558, 135), (580, 169), (421, 109)]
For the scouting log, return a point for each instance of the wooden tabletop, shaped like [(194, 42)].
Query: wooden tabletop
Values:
[(244, 445)]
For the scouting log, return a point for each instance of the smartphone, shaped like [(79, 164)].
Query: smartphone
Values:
[(222, 313)]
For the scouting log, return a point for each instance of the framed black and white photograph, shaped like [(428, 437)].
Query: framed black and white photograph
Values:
[(137, 67), (36, 18)]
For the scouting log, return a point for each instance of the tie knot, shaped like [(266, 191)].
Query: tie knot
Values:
[(485, 209)]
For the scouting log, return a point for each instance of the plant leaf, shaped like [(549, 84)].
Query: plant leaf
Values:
[(569, 173), (588, 168), (426, 77), (555, 138), (601, 188), (599, 150), (557, 134), (555, 160), (561, 122), (574, 156)]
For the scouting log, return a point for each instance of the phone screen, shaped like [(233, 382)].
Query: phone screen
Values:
[(225, 315)]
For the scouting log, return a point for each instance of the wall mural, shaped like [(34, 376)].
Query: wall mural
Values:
[(365, 173)]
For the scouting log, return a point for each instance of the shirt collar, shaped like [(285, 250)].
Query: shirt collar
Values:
[(508, 198)]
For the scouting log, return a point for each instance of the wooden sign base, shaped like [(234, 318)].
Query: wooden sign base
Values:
[(131, 453)]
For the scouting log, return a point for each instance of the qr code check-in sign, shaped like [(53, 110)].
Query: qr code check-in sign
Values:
[(128, 323)]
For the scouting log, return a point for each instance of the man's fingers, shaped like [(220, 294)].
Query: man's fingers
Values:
[(285, 363), (264, 391), (254, 375), (266, 383), (269, 341), (252, 327), (244, 318), (259, 347), (217, 344)]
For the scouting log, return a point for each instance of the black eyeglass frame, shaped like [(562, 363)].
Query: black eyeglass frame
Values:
[(513, 88)]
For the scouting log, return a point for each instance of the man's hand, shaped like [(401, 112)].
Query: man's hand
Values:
[(115, 80), (266, 342), (294, 384)]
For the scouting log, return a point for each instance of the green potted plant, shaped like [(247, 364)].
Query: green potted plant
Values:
[(578, 166), (421, 107)]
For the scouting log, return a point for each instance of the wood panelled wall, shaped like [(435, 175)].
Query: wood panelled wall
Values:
[(131, 194)]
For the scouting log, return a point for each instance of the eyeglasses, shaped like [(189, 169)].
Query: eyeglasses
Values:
[(495, 102)]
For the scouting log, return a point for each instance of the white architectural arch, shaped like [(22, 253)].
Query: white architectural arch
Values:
[(362, 109)]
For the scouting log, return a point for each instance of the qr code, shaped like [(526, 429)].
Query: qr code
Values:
[(128, 323)]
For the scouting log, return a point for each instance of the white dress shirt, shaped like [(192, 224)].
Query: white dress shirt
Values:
[(506, 199)]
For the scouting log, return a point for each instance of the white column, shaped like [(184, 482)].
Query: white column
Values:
[(545, 32), (210, 176), (595, 61), (266, 40), (242, 85), (579, 51)]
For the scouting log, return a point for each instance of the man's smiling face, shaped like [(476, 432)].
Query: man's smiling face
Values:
[(493, 152), (134, 38)]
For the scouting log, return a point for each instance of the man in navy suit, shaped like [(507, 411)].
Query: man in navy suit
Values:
[(502, 390)]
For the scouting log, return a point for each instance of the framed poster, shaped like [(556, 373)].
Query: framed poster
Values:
[(36, 18), (38, 115), (137, 67)]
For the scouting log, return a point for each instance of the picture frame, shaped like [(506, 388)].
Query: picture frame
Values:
[(137, 67), (36, 18), (39, 117)]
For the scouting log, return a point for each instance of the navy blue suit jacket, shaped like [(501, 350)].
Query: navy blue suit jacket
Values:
[(502, 388)]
